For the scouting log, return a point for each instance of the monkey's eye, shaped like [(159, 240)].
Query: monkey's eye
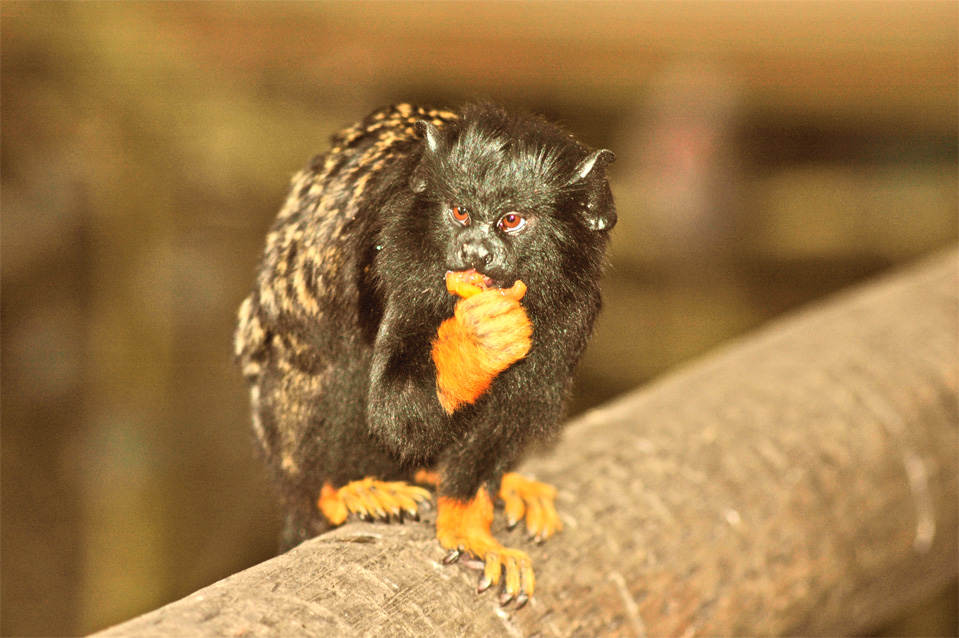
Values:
[(512, 223), (460, 214)]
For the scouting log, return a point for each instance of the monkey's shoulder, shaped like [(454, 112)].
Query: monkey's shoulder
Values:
[(359, 155), (315, 250), (329, 201)]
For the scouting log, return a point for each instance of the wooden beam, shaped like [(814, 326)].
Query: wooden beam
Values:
[(800, 481)]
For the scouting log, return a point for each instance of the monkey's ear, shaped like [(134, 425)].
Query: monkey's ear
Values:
[(600, 212), (430, 134), (431, 145), (594, 164)]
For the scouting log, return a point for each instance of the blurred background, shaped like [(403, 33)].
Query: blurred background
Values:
[(768, 155)]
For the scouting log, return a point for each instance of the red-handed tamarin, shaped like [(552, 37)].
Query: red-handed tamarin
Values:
[(424, 297)]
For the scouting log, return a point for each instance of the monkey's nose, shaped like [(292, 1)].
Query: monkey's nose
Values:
[(476, 256)]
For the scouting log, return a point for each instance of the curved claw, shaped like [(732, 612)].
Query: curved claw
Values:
[(484, 584), (521, 600), (452, 556)]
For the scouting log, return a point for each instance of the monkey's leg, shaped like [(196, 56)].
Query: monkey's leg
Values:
[(532, 499), (369, 498), (465, 527)]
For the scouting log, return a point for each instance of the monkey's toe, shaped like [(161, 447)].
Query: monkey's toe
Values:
[(515, 569), (532, 500), (372, 499)]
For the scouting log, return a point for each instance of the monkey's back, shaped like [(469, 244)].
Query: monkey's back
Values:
[(307, 276), (304, 332)]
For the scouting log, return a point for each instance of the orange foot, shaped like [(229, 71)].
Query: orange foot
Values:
[(465, 527), (369, 499), (523, 496)]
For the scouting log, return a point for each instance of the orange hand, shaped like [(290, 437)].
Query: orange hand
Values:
[(488, 332)]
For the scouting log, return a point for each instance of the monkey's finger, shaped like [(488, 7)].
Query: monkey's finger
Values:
[(405, 492), (419, 494), (514, 507), (512, 323), (406, 503), (464, 284), (551, 521), (504, 330), (373, 508), (516, 291), (518, 575), (493, 569), (489, 307), (511, 586), (529, 580), (387, 501), (351, 501), (332, 505), (484, 307), (535, 517), (542, 520)]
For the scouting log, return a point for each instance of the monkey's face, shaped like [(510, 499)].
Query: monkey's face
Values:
[(488, 239), (508, 219), (510, 198)]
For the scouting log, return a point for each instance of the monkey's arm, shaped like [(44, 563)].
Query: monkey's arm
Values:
[(402, 407), (421, 380)]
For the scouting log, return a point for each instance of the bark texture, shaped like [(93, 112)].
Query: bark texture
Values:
[(800, 481)]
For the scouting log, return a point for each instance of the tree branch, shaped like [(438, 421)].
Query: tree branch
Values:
[(801, 481)]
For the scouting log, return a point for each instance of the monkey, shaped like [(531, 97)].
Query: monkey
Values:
[(425, 294)]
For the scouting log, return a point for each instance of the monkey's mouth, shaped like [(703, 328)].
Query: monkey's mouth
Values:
[(494, 280), (482, 280), (497, 279)]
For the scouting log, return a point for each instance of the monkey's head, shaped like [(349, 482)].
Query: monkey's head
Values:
[(512, 197)]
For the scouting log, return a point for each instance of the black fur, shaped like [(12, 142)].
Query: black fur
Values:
[(336, 335)]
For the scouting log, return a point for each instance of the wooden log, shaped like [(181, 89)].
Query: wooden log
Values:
[(801, 481)]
